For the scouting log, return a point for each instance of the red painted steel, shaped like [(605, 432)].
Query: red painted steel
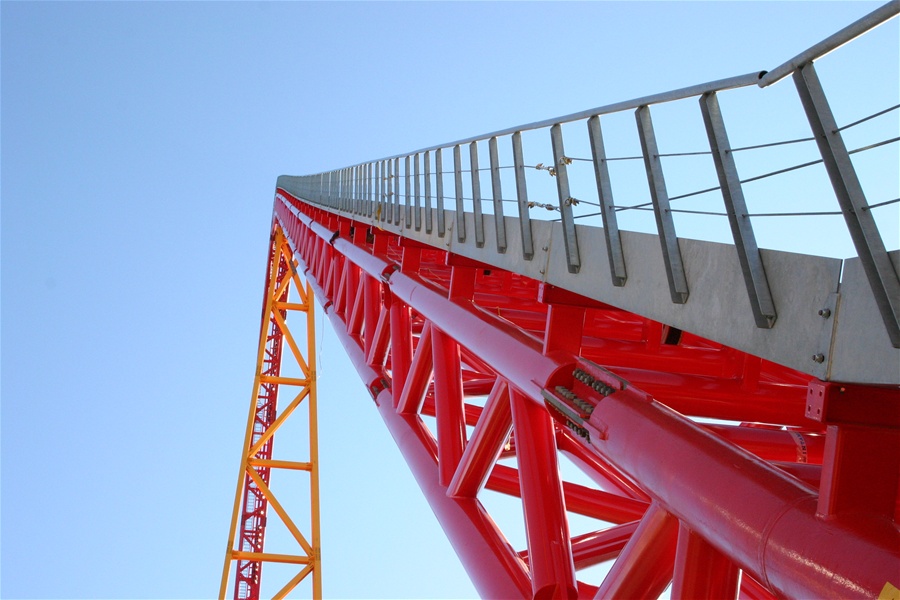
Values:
[(252, 523), (734, 508)]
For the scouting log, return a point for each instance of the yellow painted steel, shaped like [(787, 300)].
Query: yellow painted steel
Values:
[(308, 550)]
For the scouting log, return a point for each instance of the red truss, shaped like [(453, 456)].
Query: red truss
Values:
[(252, 523), (764, 506)]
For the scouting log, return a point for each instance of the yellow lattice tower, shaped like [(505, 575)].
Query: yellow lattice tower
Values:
[(285, 294)]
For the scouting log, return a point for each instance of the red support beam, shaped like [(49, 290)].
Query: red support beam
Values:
[(401, 346), (449, 406), (488, 439), (493, 332), (420, 373), (546, 526), (701, 571), (644, 568)]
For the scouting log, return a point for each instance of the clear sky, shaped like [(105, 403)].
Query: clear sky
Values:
[(140, 147)]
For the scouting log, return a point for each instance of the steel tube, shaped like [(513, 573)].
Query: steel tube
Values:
[(764, 519), (644, 567), (701, 571), (372, 291), (579, 499), (493, 565), (670, 96), (487, 442), (449, 404), (401, 346), (546, 526), (593, 548), (857, 28), (420, 373)]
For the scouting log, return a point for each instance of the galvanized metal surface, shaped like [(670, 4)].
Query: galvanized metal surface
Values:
[(861, 351), (718, 308), (573, 259), (847, 34), (741, 228), (764, 302), (860, 221), (670, 96), (604, 193), (665, 225)]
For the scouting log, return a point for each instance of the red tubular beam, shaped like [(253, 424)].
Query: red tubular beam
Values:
[(449, 405), (546, 526), (764, 519), (378, 350), (356, 300), (372, 307), (701, 571), (593, 548), (495, 568), (401, 347), (644, 568), (773, 444), (595, 467), (753, 590), (487, 442), (720, 398), (416, 383), (503, 346), (578, 499)]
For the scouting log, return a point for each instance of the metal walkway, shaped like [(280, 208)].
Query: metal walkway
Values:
[(769, 303), (736, 409)]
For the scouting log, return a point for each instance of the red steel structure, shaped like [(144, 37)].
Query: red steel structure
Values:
[(427, 329), (724, 469), (254, 495)]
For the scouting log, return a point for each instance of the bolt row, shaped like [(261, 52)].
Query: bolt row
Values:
[(571, 397), (580, 431), (595, 384)]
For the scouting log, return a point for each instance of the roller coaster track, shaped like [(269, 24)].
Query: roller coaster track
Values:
[(736, 410)]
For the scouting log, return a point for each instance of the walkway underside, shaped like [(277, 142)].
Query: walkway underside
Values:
[(712, 469)]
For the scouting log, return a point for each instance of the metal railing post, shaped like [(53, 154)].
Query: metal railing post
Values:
[(460, 209), (607, 206), (664, 224), (497, 193), (860, 222), (522, 197), (428, 217), (417, 191), (573, 259), (439, 191), (476, 194)]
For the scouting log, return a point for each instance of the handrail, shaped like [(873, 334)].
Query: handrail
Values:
[(369, 187), (669, 96), (833, 42)]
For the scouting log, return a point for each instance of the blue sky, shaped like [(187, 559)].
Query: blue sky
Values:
[(140, 147)]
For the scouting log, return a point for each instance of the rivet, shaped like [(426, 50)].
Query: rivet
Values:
[(819, 358), (825, 313)]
